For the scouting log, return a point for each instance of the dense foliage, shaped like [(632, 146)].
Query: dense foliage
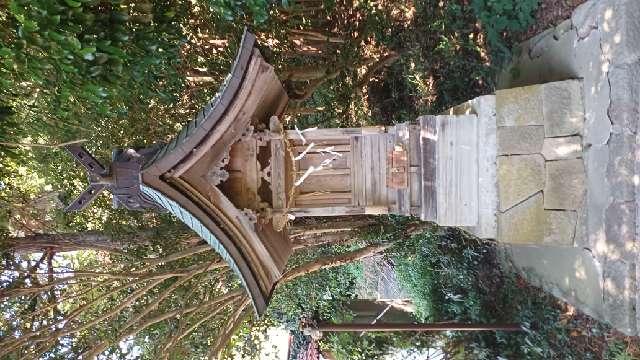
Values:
[(502, 19), (454, 277)]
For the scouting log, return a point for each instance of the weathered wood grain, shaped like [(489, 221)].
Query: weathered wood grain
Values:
[(315, 159), (357, 173), (323, 199), (382, 198), (400, 161), (367, 165), (391, 191), (428, 141), (278, 194), (457, 170), (330, 181), (328, 211)]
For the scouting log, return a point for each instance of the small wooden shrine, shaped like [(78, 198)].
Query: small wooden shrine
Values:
[(236, 178)]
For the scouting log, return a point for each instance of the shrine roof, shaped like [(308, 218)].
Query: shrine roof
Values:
[(179, 176), (196, 130)]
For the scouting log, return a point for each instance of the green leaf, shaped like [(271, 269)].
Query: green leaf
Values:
[(73, 4), (5, 52), (30, 26), (9, 63), (55, 19), (55, 36), (120, 17), (75, 43), (95, 70), (121, 36), (88, 53), (101, 58), (21, 44)]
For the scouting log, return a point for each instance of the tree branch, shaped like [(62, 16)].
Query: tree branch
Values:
[(386, 60), (326, 263), (67, 329), (48, 146), (152, 306), (98, 349), (89, 240), (171, 342), (233, 324), (179, 255), (7, 293)]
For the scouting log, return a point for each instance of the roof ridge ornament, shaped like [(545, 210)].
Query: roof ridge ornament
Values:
[(121, 178)]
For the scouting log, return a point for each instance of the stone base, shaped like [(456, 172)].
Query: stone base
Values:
[(600, 45), (558, 164)]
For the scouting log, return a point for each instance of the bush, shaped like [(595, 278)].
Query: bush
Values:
[(501, 18), (452, 276), (441, 273)]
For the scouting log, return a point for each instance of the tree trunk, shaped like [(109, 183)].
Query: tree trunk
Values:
[(386, 60), (326, 263), (322, 238), (317, 227), (311, 233), (87, 240)]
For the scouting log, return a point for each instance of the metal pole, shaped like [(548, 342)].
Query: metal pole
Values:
[(388, 327)]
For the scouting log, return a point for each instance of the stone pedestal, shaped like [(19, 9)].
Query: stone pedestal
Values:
[(541, 175), (600, 45), (530, 183), (559, 196)]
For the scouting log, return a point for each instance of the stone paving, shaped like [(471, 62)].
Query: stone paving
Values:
[(579, 244)]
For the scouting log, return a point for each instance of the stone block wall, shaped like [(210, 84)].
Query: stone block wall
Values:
[(540, 169)]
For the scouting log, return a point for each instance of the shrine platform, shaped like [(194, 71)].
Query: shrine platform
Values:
[(596, 267)]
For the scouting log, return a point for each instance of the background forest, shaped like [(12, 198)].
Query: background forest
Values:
[(120, 284)]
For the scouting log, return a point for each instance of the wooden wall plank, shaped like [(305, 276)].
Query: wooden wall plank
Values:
[(367, 165), (326, 183), (278, 190), (403, 196), (414, 145), (319, 147), (339, 210), (457, 170), (328, 211), (383, 199), (428, 140), (324, 199), (325, 134), (391, 192), (357, 173), (315, 159), (325, 172), (374, 149), (415, 185)]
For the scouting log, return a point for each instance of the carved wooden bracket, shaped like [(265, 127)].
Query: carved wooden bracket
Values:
[(262, 137), (247, 133), (250, 215), (266, 173), (218, 174)]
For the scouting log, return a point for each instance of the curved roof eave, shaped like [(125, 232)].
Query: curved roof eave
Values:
[(248, 279), (195, 130)]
